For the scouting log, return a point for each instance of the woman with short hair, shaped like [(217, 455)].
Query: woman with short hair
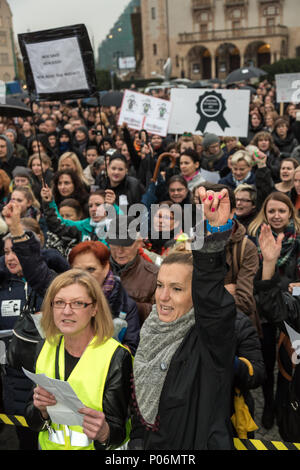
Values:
[(78, 331), (241, 170)]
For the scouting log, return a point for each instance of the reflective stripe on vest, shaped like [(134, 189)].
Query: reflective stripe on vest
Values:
[(89, 388), (76, 439)]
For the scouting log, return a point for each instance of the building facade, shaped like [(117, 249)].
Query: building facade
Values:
[(210, 38), (119, 42), (7, 50)]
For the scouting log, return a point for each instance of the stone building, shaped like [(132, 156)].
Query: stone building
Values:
[(7, 50), (210, 38)]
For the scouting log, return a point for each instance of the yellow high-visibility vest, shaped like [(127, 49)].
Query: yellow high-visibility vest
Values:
[(87, 380)]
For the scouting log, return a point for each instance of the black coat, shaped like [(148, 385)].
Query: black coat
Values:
[(119, 301), (130, 187), (194, 407)]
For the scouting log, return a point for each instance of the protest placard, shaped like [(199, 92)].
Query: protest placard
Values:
[(288, 88), (222, 112), (59, 63), (141, 111)]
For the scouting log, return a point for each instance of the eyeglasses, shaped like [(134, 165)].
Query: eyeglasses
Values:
[(74, 304), (242, 200)]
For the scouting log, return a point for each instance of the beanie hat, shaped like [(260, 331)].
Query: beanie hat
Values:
[(210, 139), (21, 171)]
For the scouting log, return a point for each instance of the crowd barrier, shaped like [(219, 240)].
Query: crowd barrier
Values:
[(239, 444)]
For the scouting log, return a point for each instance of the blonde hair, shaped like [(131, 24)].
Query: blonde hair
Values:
[(42, 157), (261, 217), (102, 322), (75, 160), (28, 193), (241, 155)]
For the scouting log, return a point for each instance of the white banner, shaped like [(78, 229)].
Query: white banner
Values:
[(141, 111), (288, 88), (127, 63), (57, 65), (221, 112)]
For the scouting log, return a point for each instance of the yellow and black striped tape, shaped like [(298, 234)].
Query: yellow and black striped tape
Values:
[(13, 420), (239, 444), (258, 444)]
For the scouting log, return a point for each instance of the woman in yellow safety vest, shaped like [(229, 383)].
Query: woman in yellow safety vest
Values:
[(79, 349)]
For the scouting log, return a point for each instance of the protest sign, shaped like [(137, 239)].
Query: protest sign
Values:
[(288, 88), (59, 63), (222, 112), (141, 111)]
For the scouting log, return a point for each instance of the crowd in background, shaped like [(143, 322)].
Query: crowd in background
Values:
[(65, 166)]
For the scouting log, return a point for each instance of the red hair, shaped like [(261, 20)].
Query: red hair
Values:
[(100, 250)]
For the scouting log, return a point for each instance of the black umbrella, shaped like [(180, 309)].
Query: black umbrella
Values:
[(244, 73), (112, 98), (14, 108)]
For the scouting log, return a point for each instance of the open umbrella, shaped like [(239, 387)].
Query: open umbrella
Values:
[(112, 98), (14, 108), (244, 73)]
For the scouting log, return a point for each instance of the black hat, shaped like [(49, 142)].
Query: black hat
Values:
[(122, 231)]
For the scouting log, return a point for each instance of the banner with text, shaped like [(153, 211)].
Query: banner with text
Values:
[(59, 63), (221, 112), (141, 111), (288, 88)]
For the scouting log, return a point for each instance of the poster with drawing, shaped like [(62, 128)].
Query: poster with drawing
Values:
[(221, 112), (141, 111)]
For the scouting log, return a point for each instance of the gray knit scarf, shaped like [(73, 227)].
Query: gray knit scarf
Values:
[(158, 343)]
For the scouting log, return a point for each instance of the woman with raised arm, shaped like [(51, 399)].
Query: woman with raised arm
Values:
[(182, 379)]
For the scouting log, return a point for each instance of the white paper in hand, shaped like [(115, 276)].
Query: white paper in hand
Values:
[(66, 409)]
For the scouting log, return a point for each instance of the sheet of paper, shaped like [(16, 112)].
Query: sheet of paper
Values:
[(66, 409), (296, 291)]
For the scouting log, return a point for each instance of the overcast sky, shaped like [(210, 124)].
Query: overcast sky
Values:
[(97, 15)]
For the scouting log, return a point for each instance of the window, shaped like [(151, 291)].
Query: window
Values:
[(203, 28), (3, 38), (154, 49), (236, 24), (153, 13), (4, 59)]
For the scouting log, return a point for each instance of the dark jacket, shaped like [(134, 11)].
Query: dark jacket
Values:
[(287, 145), (229, 181), (119, 301), (248, 346), (129, 186), (277, 306), (115, 399), (194, 404)]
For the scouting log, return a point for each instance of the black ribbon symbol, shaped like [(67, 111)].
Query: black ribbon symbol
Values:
[(211, 107)]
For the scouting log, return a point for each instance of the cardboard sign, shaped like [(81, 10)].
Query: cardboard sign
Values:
[(141, 111), (59, 63), (221, 112), (288, 88)]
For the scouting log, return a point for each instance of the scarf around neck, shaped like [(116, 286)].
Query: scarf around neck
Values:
[(158, 343)]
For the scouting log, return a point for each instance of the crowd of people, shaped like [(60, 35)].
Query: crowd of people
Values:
[(204, 322)]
